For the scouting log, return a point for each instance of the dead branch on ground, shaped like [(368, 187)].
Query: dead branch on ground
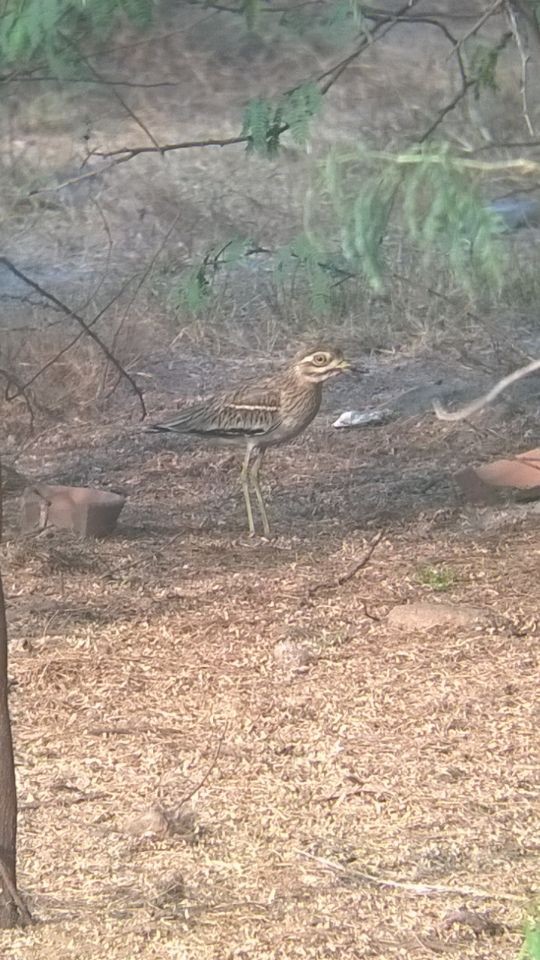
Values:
[(349, 574), (488, 397), (420, 889)]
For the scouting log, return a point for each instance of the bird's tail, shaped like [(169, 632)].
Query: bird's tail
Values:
[(158, 428), (183, 423)]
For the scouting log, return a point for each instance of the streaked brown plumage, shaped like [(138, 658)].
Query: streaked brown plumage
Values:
[(263, 413)]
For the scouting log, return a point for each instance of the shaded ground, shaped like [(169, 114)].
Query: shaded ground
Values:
[(294, 744)]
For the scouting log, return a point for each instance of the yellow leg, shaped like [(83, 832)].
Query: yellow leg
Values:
[(244, 479), (255, 477)]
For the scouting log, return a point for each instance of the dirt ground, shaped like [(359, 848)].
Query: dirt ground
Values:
[(220, 752), (214, 760)]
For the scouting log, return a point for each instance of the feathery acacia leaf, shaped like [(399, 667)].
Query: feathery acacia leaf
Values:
[(32, 29), (265, 121)]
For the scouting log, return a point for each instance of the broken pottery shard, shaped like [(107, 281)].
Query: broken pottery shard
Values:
[(83, 510), (354, 418), (483, 484)]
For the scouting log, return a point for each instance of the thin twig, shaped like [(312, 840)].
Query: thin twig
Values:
[(451, 105), (370, 616), (351, 572), (142, 280), (21, 391), (118, 96), (389, 21), (110, 244), (466, 84), (476, 26), (488, 397), (211, 768), (524, 59), (421, 889), (96, 80), (85, 326), (22, 387)]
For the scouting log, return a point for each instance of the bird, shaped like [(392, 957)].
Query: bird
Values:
[(264, 412)]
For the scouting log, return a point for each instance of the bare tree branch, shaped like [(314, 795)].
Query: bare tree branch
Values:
[(330, 76), (529, 13), (466, 84), (8, 78), (118, 96), (491, 10), (488, 397), (524, 59), (22, 391), (46, 366), (422, 889), (386, 20)]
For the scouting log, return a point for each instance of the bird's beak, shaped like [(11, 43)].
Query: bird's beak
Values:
[(345, 366)]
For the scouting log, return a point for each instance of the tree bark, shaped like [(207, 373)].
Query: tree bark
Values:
[(10, 904)]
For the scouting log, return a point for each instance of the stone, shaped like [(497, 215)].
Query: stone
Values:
[(292, 655), (427, 614), (151, 823)]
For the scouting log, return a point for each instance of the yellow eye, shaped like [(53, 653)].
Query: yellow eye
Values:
[(320, 359)]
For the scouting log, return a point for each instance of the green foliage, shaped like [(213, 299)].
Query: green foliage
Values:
[(359, 207), (531, 944), (193, 290), (194, 286), (298, 108), (306, 256), (258, 123), (438, 578), (426, 194), (251, 10), (266, 121), (482, 67), (48, 30), (334, 21)]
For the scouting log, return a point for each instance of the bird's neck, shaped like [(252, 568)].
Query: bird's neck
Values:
[(301, 382), (298, 393)]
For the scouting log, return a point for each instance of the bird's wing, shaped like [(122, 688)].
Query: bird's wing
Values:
[(251, 411)]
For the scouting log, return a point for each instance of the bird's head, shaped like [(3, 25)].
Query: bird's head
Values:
[(319, 363)]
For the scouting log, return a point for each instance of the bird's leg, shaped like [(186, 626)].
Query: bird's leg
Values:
[(255, 477), (244, 479)]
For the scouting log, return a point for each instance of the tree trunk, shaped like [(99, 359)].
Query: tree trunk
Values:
[(10, 904)]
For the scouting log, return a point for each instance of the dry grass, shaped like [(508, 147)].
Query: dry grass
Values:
[(182, 673)]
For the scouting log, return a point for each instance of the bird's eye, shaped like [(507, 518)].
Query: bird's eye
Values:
[(320, 359)]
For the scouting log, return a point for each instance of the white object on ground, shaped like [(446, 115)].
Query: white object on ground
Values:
[(354, 418)]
